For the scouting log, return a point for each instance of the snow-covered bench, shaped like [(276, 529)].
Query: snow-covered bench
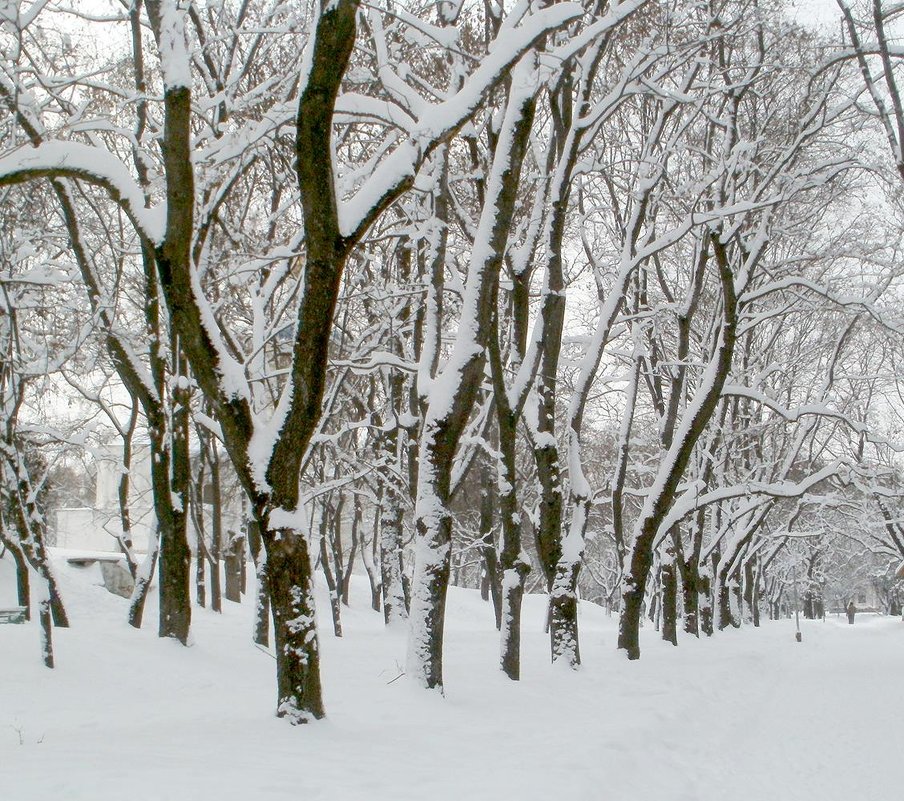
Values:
[(15, 614), (113, 569)]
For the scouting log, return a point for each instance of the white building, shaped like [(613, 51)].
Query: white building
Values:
[(96, 528)]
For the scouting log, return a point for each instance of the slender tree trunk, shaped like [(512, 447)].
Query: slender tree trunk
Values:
[(512, 564), (143, 581), (44, 617), (668, 578), (216, 529), (705, 596), (723, 601), (490, 580), (261, 635), (233, 559), (394, 603), (125, 541), (335, 608), (200, 574), (22, 584), (368, 552), (350, 561), (170, 470)]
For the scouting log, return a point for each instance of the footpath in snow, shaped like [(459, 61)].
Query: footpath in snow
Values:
[(749, 715)]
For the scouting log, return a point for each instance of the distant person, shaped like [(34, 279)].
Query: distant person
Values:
[(851, 611)]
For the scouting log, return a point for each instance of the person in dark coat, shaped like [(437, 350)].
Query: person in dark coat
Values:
[(851, 611)]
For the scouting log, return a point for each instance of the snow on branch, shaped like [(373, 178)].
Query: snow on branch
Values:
[(793, 415), (87, 163), (437, 122)]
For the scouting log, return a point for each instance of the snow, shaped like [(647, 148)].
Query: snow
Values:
[(174, 61), (749, 714), (93, 164)]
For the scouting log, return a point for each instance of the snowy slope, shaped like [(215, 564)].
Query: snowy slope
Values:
[(748, 715)]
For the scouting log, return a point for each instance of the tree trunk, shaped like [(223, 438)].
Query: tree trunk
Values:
[(261, 635), (233, 558), (353, 547), (447, 412), (335, 609), (490, 583), (291, 586), (216, 529), (668, 577), (169, 473), (200, 574), (428, 598), (31, 528), (23, 584), (563, 616), (394, 604), (690, 596), (368, 552), (143, 582), (44, 616), (705, 594)]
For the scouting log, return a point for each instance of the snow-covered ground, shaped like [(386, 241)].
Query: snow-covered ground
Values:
[(748, 715)]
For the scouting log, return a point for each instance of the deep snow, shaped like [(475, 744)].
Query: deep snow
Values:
[(748, 715)]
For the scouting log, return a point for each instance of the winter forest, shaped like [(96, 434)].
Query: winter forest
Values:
[(442, 366)]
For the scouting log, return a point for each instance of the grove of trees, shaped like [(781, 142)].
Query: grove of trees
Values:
[(596, 299)]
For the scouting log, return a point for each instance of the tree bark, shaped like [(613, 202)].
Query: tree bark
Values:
[(291, 586), (233, 559), (668, 581), (170, 470), (261, 634), (143, 581), (394, 605)]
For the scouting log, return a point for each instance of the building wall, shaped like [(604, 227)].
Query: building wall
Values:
[(96, 528)]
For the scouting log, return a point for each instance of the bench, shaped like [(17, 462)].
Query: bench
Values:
[(87, 561), (16, 614)]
